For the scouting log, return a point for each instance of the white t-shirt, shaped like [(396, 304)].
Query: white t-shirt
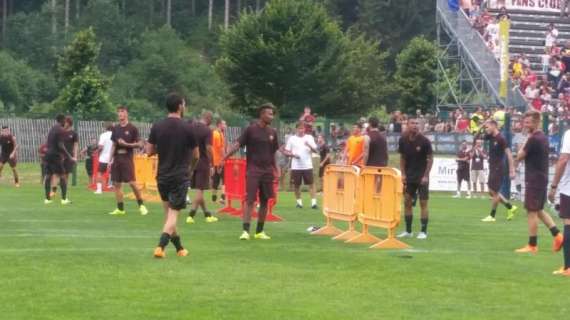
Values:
[(106, 144), (564, 185), (296, 145)]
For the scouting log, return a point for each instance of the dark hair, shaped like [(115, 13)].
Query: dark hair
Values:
[(122, 107), (60, 118), (533, 114), (264, 107), (219, 121), (373, 122), (300, 124), (108, 126), (493, 122), (4, 127), (69, 120), (173, 101), (358, 124)]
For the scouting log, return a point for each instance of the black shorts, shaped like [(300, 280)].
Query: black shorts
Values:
[(262, 184), (123, 170), (102, 167), (54, 164), (564, 206), (218, 177), (68, 166), (534, 199), (422, 190), (304, 176), (463, 175), (201, 179), (6, 159), (173, 192), (495, 180)]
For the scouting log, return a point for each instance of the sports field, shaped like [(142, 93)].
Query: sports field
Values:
[(76, 262)]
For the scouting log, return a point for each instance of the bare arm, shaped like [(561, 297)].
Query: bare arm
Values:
[(194, 159), (150, 149), (210, 154), (366, 151), (559, 171), (425, 178), (75, 149), (511, 163), (231, 150), (287, 153), (13, 154)]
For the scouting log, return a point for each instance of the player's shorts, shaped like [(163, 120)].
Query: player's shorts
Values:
[(463, 175), (54, 164), (174, 192), (218, 177), (304, 176), (123, 170), (262, 184), (495, 180), (564, 206), (6, 159), (422, 190), (201, 179), (68, 166), (102, 167), (534, 199), (478, 176)]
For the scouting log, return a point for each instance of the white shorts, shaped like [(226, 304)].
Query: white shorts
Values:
[(478, 176)]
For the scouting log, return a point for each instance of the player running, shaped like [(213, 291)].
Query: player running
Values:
[(498, 151), (173, 140), (535, 156), (55, 155), (8, 153), (125, 139), (416, 159)]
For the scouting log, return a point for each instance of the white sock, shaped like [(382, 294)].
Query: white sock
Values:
[(300, 202), (99, 187), (313, 202)]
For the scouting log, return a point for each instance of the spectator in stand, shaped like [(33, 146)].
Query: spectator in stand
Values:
[(503, 14), (525, 61), (476, 121), (396, 121), (551, 37), (334, 135), (308, 119), (546, 60), (517, 69), (462, 123), (532, 95), (555, 71)]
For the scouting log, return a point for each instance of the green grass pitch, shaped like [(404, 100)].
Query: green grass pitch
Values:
[(76, 262)]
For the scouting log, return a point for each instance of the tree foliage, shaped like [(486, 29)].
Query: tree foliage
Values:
[(416, 75), (293, 54), (85, 89)]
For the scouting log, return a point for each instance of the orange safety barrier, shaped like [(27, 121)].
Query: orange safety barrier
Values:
[(235, 190), (146, 169), (340, 201), (106, 175), (381, 193)]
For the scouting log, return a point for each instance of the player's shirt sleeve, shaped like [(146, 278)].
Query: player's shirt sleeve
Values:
[(312, 142), (429, 149), (529, 145), (114, 134)]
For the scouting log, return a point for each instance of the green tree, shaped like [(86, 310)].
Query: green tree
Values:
[(21, 85), (416, 75), (165, 63), (85, 89)]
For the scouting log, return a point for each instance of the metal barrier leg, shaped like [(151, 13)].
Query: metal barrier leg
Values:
[(364, 237), (328, 230), (391, 242), (349, 234)]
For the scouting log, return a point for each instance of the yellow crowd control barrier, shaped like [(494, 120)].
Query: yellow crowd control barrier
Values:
[(340, 203), (371, 196), (145, 175), (381, 197)]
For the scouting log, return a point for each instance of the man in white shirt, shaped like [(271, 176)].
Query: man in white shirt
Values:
[(561, 182), (302, 146), (105, 147)]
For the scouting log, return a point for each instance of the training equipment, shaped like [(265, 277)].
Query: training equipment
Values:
[(371, 196), (146, 169), (235, 190)]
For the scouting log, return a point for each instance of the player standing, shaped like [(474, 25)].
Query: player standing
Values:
[(203, 171), (301, 146), (105, 149), (463, 170), (498, 150), (478, 155), (8, 154), (55, 155), (354, 151), (219, 150), (561, 182), (71, 143), (125, 139), (416, 159), (173, 140), (535, 156), (262, 143)]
